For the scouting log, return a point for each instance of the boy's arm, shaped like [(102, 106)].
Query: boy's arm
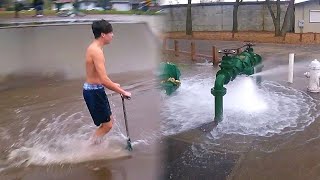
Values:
[(98, 60)]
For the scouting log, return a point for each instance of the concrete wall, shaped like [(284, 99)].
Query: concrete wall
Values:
[(11, 51), (218, 17), (60, 49), (302, 12)]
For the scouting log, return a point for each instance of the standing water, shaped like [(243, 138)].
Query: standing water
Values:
[(269, 130), (250, 110), (44, 120)]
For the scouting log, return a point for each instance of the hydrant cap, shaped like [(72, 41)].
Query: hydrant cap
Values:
[(315, 64)]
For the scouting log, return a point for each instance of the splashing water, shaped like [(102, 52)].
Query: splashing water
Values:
[(66, 139), (280, 110), (189, 106), (52, 142), (59, 132), (205, 63), (244, 96), (249, 109)]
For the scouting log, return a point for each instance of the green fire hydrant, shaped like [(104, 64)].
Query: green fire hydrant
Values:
[(231, 66), (169, 77)]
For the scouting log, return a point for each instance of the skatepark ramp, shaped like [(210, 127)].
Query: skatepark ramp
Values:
[(59, 49)]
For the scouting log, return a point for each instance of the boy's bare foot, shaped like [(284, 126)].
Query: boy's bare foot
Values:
[(95, 140)]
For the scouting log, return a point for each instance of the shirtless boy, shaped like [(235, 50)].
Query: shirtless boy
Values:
[(96, 79)]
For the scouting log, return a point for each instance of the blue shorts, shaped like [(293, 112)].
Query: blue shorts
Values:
[(97, 103)]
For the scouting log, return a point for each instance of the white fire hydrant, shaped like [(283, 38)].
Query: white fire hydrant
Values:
[(313, 75)]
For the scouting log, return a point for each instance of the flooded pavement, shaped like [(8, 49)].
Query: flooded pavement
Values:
[(270, 131), (45, 124), (45, 130)]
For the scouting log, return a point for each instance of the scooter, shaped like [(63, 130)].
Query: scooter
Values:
[(129, 146)]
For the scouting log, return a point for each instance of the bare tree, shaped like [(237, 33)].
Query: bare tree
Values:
[(235, 16), (288, 19), (276, 19), (189, 19)]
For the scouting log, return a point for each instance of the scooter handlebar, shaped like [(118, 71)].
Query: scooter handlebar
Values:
[(125, 97)]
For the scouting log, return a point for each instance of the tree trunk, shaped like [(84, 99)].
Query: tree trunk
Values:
[(189, 19), (276, 20), (235, 17), (278, 31), (288, 19)]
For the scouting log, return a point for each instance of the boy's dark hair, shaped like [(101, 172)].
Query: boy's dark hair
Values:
[(101, 26)]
